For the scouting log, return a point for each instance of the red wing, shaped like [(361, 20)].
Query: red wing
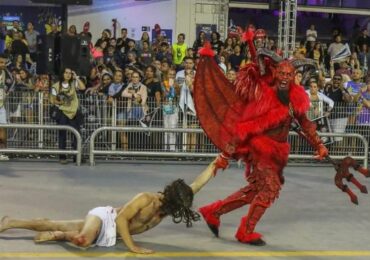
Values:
[(218, 107)]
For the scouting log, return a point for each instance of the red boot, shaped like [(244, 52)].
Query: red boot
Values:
[(253, 238), (245, 233), (208, 213)]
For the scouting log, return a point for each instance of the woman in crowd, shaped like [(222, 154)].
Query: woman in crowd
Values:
[(317, 101), (199, 42), (317, 54), (140, 43), (64, 98), (136, 96), (145, 54)]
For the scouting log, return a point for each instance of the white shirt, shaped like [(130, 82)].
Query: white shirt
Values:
[(323, 98), (311, 35)]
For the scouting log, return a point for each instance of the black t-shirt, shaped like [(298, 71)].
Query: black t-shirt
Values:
[(235, 61), (340, 109), (152, 88)]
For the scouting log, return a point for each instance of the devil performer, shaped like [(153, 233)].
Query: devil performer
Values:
[(250, 121)]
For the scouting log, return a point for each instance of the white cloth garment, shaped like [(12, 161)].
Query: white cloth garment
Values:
[(107, 235)]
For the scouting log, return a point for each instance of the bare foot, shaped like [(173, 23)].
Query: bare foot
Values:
[(4, 223), (48, 236)]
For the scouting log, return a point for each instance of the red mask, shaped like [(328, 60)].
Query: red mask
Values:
[(284, 75)]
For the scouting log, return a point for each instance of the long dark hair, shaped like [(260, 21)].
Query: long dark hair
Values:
[(177, 202)]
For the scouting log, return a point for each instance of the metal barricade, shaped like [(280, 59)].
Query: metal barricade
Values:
[(307, 154), (178, 153), (33, 108), (76, 152), (185, 153)]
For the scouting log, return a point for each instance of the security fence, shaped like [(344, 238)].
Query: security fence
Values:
[(28, 107)]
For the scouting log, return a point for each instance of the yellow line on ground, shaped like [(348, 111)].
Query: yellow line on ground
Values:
[(184, 254)]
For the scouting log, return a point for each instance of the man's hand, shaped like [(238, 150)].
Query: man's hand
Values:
[(321, 152), (221, 162), (141, 250)]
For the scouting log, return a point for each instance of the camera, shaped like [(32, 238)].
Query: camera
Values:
[(64, 98)]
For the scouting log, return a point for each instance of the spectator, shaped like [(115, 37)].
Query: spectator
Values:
[(153, 86), (179, 51), (3, 33), (144, 38), (363, 39), (105, 36), (354, 87), (317, 54), (311, 34), (231, 76), (216, 43), (131, 47), (170, 112), (145, 54), (72, 31), (339, 115), (222, 63), (98, 51), (364, 58), (188, 65), (363, 118), (335, 48), (112, 59), (164, 68), (199, 42), (228, 47), (190, 53), (6, 85), (164, 53), (235, 59), (298, 77), (122, 43), (353, 61), (133, 63), (136, 95), (317, 102), (103, 87), (31, 37), (18, 46), (302, 49), (64, 97), (16, 27)]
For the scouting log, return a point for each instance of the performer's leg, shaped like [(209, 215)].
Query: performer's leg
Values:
[(89, 232), (55, 236), (40, 224), (82, 237), (212, 212), (269, 181)]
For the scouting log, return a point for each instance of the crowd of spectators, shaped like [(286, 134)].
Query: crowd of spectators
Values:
[(150, 75)]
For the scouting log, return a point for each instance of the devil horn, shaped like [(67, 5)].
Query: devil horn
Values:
[(303, 62)]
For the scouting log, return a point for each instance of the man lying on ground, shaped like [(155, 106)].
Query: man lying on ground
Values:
[(143, 212)]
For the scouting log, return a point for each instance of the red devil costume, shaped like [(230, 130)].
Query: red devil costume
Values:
[(251, 121)]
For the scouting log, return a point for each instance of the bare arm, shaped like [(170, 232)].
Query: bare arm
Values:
[(125, 215), (204, 177)]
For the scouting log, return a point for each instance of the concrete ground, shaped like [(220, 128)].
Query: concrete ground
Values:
[(312, 219)]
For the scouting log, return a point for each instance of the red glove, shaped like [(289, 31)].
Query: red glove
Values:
[(221, 162), (321, 152)]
